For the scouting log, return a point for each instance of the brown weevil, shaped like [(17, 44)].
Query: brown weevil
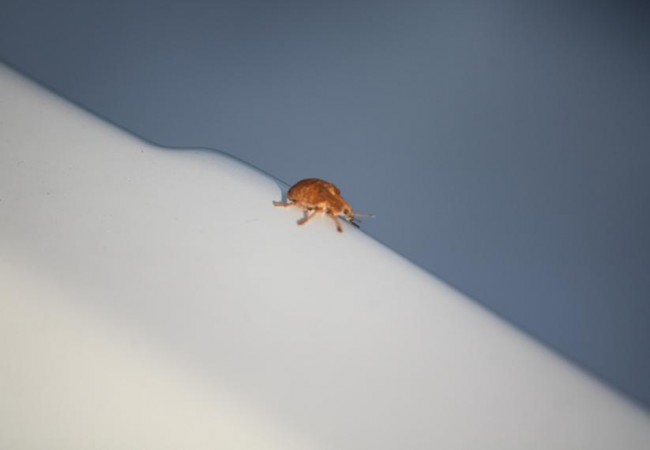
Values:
[(315, 196)]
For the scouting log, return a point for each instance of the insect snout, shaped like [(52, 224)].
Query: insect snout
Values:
[(349, 214), (350, 217)]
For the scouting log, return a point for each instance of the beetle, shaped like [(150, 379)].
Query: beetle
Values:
[(314, 196)]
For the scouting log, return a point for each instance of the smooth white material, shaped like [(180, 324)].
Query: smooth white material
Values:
[(154, 298)]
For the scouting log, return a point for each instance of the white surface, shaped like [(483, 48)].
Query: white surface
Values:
[(153, 298)]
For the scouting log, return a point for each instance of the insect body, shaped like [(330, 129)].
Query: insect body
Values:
[(319, 196)]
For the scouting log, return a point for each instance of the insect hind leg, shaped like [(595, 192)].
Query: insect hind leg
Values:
[(307, 217)]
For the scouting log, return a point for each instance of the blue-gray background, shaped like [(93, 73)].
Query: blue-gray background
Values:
[(503, 145)]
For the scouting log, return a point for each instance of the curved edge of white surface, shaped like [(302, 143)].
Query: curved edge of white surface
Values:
[(152, 298)]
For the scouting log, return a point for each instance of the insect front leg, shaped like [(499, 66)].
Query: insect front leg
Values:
[(336, 220)]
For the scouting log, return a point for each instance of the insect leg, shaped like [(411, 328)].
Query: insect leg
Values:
[(282, 205), (339, 228), (305, 219)]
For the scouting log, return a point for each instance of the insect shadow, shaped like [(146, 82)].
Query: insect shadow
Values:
[(284, 190)]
